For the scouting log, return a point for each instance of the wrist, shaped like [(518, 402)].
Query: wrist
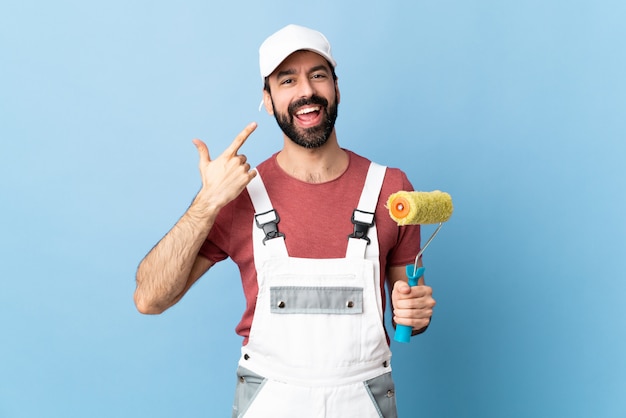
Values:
[(202, 211)]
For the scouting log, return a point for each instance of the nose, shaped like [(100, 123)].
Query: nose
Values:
[(306, 88)]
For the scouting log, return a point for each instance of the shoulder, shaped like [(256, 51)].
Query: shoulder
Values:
[(398, 178), (395, 178)]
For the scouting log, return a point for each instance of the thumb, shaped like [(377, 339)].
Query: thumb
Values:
[(402, 287), (203, 150)]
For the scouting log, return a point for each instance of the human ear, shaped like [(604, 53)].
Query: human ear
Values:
[(267, 102)]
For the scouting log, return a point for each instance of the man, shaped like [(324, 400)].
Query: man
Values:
[(314, 244)]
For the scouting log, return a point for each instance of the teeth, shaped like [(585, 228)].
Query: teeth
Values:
[(308, 110)]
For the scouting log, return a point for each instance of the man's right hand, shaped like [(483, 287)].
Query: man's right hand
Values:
[(225, 177), (173, 265)]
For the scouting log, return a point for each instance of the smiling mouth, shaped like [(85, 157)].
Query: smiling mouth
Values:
[(308, 114)]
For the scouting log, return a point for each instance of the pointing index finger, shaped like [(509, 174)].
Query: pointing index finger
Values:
[(240, 139)]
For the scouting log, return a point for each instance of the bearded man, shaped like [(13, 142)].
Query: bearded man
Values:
[(314, 245)]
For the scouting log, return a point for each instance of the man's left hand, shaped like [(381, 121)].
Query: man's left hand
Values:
[(412, 306)]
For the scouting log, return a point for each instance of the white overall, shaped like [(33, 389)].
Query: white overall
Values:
[(317, 346)]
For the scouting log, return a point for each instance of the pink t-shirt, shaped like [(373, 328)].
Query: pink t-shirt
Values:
[(316, 221)]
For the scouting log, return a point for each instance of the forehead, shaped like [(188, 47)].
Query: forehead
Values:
[(302, 60)]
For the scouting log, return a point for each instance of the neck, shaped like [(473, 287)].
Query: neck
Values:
[(318, 165)]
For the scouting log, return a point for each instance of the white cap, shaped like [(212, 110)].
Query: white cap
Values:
[(288, 40)]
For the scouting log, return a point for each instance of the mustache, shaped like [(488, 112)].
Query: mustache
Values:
[(313, 100)]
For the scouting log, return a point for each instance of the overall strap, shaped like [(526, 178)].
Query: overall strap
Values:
[(364, 241), (265, 235)]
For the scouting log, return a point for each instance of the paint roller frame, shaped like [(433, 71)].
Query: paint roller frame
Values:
[(400, 210)]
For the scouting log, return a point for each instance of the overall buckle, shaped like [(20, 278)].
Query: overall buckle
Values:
[(268, 222), (362, 221)]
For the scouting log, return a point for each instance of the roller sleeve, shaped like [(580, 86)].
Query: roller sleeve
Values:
[(413, 208)]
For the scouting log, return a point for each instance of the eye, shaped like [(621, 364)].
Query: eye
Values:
[(318, 76), (286, 81)]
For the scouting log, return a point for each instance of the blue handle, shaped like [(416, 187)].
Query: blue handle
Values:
[(403, 332)]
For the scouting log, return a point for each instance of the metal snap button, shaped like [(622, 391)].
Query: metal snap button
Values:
[(242, 379), (281, 304), (246, 357), (385, 363), (350, 304), (390, 393)]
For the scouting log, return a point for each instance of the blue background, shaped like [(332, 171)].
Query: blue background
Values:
[(515, 108)]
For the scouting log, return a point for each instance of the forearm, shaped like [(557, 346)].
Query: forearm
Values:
[(163, 276)]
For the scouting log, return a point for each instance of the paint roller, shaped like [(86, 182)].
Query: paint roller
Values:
[(418, 208)]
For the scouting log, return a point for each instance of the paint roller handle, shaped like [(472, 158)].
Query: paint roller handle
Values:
[(403, 332)]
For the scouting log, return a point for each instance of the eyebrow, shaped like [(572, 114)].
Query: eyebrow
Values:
[(283, 73), (291, 71)]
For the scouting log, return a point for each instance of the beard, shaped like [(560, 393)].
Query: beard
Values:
[(315, 136)]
